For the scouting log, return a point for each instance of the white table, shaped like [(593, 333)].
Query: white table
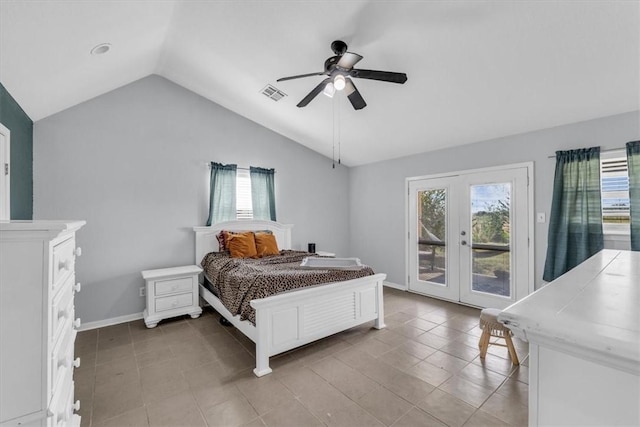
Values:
[(584, 341)]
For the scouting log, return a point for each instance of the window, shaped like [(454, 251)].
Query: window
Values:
[(241, 194), (614, 179), (244, 204)]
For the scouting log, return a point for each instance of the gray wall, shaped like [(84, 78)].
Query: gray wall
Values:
[(13, 117), (133, 164), (377, 204)]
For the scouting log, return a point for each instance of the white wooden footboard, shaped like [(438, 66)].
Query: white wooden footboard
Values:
[(292, 319)]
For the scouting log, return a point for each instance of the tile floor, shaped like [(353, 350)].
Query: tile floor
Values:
[(422, 370)]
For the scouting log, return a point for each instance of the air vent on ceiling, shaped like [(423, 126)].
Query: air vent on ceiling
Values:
[(273, 93)]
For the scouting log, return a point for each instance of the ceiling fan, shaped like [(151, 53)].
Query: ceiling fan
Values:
[(339, 69)]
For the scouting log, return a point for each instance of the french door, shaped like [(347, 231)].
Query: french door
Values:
[(469, 236)]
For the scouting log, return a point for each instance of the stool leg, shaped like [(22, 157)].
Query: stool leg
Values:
[(512, 349), (484, 342)]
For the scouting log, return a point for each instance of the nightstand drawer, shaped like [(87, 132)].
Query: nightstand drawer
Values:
[(172, 286), (173, 302)]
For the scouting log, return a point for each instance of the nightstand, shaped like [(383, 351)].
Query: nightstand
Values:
[(171, 292)]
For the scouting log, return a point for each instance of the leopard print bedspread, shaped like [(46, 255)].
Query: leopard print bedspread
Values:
[(238, 281)]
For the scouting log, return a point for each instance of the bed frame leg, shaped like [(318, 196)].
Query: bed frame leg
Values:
[(225, 322), (379, 322), (262, 365), (262, 349)]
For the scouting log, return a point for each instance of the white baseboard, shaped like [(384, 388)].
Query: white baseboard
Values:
[(110, 322), (395, 286)]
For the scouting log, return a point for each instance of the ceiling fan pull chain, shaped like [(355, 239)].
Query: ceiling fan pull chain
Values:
[(339, 134), (333, 134)]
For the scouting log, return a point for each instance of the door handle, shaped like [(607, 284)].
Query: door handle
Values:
[(464, 242)]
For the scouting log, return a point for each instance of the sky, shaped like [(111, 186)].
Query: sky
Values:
[(485, 195)]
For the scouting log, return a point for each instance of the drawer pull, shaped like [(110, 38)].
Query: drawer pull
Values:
[(77, 287), (64, 265), (76, 406), (76, 363), (77, 323), (63, 314), (78, 251)]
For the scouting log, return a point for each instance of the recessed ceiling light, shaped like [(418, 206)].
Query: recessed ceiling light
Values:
[(101, 49)]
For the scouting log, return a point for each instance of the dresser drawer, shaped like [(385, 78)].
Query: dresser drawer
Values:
[(173, 286), (63, 262), (66, 417), (62, 360), (62, 405), (172, 302), (62, 307)]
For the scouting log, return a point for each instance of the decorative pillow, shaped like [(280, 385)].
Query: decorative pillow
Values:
[(242, 245), (266, 244), (223, 236), (222, 244)]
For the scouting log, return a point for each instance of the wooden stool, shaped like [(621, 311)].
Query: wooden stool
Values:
[(492, 328)]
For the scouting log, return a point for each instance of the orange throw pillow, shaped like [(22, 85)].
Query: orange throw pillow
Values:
[(266, 244), (242, 245)]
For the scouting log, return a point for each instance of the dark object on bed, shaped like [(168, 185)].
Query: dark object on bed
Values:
[(237, 281)]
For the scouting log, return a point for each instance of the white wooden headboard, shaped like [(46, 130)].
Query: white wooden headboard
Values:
[(206, 236)]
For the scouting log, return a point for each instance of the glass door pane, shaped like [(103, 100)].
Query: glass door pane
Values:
[(432, 236), (433, 249), (490, 238)]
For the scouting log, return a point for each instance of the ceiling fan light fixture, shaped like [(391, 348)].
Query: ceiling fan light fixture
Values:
[(329, 90), (339, 82)]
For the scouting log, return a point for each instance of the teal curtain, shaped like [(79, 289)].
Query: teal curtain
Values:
[(575, 222), (633, 164), (263, 193), (222, 200)]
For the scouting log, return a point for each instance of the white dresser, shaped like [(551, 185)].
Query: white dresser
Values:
[(37, 323), (584, 342)]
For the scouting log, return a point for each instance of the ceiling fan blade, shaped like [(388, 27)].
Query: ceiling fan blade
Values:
[(348, 60), (385, 76), (316, 90), (354, 95), (300, 76)]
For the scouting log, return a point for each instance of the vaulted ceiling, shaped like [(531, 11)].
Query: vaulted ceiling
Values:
[(477, 69)]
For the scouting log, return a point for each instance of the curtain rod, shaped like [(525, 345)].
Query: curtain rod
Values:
[(602, 151), (237, 167)]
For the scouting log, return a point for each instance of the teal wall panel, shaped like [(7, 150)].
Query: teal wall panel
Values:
[(21, 127)]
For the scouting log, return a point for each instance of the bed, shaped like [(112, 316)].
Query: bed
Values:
[(291, 319)]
